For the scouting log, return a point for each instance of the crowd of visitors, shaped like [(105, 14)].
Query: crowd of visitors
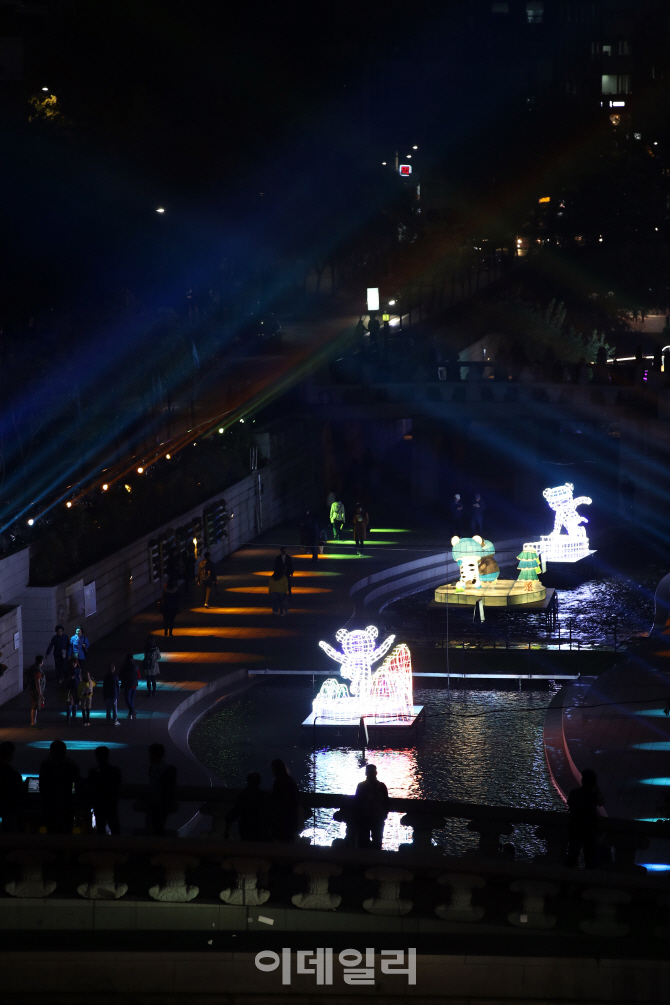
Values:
[(69, 802)]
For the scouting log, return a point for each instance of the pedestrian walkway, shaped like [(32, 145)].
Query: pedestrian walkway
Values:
[(209, 655)]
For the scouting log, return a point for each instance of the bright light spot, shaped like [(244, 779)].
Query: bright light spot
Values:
[(168, 456), (127, 488), (69, 505), (195, 540), (105, 487), (409, 157), (383, 163), (600, 239), (391, 303), (45, 88), (160, 210), (241, 420), (656, 866), (655, 781), (415, 148), (140, 470), (220, 430), (31, 522), (545, 198)]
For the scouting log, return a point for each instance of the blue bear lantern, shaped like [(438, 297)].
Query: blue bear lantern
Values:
[(475, 560)]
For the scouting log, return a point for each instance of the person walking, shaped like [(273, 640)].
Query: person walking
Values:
[(477, 517), (206, 576), (311, 534), (79, 644), (278, 590), (360, 521), (12, 790), (284, 567), (68, 691), (85, 695), (371, 807), (337, 518), (60, 645), (456, 512), (59, 782), (152, 655), (285, 810), (169, 604), (111, 689), (37, 683), (104, 785), (129, 678), (251, 809), (583, 804), (189, 563), (162, 785)]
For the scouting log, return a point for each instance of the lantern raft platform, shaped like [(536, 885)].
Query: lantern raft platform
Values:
[(501, 593), (381, 730)]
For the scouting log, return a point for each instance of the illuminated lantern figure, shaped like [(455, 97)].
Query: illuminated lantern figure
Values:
[(358, 655), (565, 507), (489, 570), (391, 690), (529, 565), (467, 551)]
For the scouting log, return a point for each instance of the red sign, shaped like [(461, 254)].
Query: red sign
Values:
[(405, 170)]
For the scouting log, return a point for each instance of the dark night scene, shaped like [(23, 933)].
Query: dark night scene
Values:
[(335, 502)]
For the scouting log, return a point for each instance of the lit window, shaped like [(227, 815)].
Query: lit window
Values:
[(615, 83), (607, 50), (534, 11)]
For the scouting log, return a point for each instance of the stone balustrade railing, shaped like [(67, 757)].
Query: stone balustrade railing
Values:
[(479, 893)]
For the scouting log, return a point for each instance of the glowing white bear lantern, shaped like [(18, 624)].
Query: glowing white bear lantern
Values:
[(386, 694), (574, 544)]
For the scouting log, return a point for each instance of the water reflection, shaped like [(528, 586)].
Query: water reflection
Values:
[(478, 746)]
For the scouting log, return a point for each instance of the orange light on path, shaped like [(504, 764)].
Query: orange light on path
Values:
[(230, 633), (243, 612), (304, 573), (212, 657), (263, 589)]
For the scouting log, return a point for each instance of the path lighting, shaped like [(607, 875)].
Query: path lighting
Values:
[(69, 505), (31, 522), (140, 470)]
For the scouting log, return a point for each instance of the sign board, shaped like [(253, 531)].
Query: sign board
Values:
[(386, 317), (405, 170), (89, 599), (373, 298)]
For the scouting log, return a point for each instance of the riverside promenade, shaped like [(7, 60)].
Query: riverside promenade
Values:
[(207, 659)]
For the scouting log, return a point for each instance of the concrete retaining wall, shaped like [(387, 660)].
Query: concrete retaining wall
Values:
[(11, 681), (122, 582)]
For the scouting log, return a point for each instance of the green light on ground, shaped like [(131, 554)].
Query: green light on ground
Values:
[(367, 542), (348, 554), (390, 530)]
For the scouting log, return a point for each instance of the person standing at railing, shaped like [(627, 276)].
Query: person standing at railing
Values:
[(583, 806), (285, 819), (371, 807), (104, 784), (12, 789), (59, 781), (251, 809), (162, 785)]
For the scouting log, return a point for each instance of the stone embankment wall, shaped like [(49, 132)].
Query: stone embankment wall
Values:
[(106, 594)]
